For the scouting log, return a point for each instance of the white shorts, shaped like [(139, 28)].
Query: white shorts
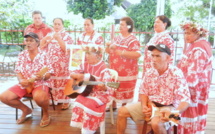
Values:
[(136, 113)]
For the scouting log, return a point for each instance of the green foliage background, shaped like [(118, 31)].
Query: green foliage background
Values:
[(13, 13), (195, 10), (144, 14), (96, 9)]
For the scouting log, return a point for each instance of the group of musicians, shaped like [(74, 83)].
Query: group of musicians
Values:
[(164, 85)]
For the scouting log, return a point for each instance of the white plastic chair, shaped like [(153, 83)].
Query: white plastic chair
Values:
[(114, 76)]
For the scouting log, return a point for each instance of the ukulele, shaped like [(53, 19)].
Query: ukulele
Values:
[(31, 81), (74, 88), (173, 117)]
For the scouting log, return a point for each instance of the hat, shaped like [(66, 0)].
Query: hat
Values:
[(161, 48), (33, 35)]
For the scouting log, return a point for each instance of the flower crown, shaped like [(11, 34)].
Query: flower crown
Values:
[(196, 28), (93, 48)]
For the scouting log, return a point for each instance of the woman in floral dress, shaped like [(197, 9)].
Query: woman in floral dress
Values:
[(124, 52), (196, 64), (89, 36), (55, 44), (89, 111), (161, 36)]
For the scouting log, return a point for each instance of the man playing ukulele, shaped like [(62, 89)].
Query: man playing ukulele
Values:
[(164, 86), (30, 63)]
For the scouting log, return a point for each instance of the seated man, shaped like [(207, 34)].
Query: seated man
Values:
[(30, 63), (164, 86), (89, 109)]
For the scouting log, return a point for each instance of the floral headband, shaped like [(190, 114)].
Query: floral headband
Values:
[(95, 48), (196, 28)]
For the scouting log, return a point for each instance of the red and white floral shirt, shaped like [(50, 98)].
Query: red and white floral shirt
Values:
[(41, 31), (29, 68), (158, 38), (169, 88)]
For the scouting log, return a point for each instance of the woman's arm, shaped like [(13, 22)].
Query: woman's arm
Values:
[(128, 54), (60, 41)]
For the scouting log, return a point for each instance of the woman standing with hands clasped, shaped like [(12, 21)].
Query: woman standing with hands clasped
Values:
[(123, 57), (55, 45)]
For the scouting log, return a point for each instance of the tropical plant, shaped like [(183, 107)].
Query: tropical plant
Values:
[(96, 9), (195, 12), (13, 12), (144, 14)]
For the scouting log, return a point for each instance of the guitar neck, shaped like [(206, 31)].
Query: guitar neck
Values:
[(93, 82)]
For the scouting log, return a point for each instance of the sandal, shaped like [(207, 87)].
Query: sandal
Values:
[(23, 119), (65, 106), (44, 123)]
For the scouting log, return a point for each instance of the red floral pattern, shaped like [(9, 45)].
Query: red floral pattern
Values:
[(88, 112), (127, 68), (29, 68), (168, 88), (158, 38), (41, 31), (60, 63), (95, 38), (196, 65)]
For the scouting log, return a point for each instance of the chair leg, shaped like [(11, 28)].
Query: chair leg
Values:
[(31, 104), (53, 105), (102, 127), (175, 129), (111, 114), (145, 127), (41, 113), (16, 113)]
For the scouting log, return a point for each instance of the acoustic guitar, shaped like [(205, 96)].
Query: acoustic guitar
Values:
[(31, 81), (74, 88)]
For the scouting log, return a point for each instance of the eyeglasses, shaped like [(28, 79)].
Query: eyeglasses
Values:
[(174, 116)]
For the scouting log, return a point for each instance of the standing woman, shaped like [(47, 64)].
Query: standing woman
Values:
[(90, 36), (196, 64), (161, 36), (55, 44), (123, 57)]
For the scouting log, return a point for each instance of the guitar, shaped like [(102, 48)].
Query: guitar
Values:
[(31, 81), (74, 88)]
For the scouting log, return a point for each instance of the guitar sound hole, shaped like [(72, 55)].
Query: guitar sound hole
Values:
[(80, 83)]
